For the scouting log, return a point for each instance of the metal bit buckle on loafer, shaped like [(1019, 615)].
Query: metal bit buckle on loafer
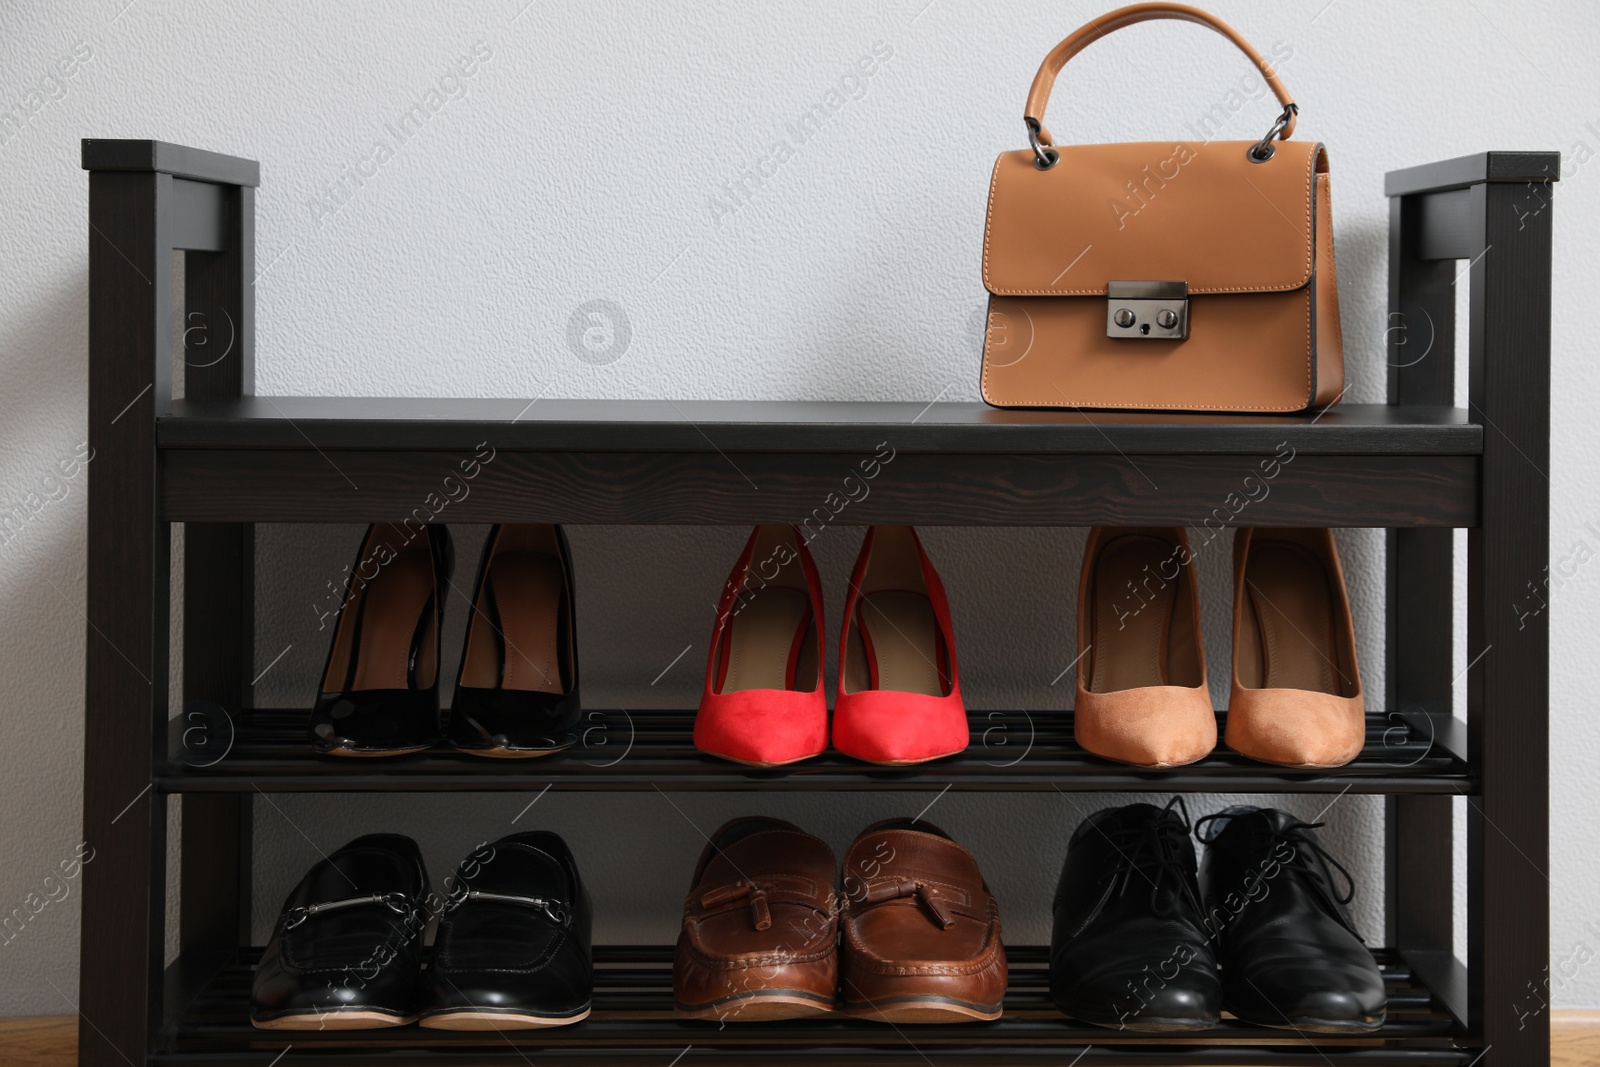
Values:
[(1147, 311)]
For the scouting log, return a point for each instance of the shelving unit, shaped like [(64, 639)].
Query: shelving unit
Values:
[(221, 460)]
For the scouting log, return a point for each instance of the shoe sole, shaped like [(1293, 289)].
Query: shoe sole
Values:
[(334, 1020), (1319, 1026), (1297, 766), (760, 765), (925, 1010), (1140, 1024), (512, 753), (757, 1007), (907, 762), (476, 1019)]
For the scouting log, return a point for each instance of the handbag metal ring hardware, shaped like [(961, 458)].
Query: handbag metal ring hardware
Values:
[(1263, 150), (1045, 156)]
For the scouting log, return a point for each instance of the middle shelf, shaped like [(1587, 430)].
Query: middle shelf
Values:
[(1026, 751)]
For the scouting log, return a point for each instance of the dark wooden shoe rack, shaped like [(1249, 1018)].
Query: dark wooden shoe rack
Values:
[(222, 459)]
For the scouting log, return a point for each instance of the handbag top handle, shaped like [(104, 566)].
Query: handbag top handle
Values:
[(1045, 80)]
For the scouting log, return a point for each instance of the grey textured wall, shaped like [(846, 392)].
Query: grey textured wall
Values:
[(598, 150)]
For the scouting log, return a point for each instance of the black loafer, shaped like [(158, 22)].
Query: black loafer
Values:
[(1129, 947), (346, 953), (380, 686), (1290, 955), (517, 690), (513, 947)]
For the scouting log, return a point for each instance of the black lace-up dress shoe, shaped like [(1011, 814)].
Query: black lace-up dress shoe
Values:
[(1129, 947), (513, 948), (1290, 955), (346, 952)]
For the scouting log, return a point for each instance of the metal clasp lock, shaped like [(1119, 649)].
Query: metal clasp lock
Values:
[(1147, 311)]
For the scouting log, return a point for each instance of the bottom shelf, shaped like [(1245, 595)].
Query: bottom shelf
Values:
[(632, 1023)]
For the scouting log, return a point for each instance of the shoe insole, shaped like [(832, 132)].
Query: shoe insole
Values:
[(389, 616), (1132, 614), (1293, 603), (901, 637), (528, 588), (761, 638)]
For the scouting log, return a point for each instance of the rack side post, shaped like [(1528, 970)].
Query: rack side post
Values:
[(1508, 701), (145, 200), (218, 617), (1418, 847), (1494, 211)]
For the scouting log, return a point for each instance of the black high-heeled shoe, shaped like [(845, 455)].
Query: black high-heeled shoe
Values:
[(380, 687), (517, 690)]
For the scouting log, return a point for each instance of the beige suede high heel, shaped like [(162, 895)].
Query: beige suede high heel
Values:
[(1142, 696), (1296, 686)]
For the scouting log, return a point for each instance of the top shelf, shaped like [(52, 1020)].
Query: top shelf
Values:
[(417, 424)]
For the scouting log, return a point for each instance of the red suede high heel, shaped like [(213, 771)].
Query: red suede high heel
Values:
[(763, 703), (899, 692)]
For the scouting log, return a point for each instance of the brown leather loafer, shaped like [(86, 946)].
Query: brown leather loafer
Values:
[(760, 927), (921, 930)]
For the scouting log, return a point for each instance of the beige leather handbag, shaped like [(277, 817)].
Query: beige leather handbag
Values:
[(1169, 276)]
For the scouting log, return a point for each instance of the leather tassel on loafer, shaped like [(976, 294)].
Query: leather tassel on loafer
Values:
[(346, 953), (517, 690), (513, 950), (380, 685)]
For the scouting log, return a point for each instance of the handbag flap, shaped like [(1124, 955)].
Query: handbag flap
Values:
[(1203, 214)]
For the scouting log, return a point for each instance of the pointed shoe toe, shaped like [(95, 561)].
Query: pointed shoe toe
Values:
[(375, 722), (895, 729), (763, 727), (1154, 726), (1296, 727)]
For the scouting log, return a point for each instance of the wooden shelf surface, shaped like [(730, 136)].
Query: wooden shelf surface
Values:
[(403, 424), (649, 462)]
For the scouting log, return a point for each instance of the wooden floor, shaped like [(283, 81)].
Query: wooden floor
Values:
[(52, 1040)]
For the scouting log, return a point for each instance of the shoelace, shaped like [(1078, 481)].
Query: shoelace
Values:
[(1313, 864), (1158, 851)]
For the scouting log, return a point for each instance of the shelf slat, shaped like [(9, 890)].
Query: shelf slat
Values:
[(650, 749), (632, 1018)]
